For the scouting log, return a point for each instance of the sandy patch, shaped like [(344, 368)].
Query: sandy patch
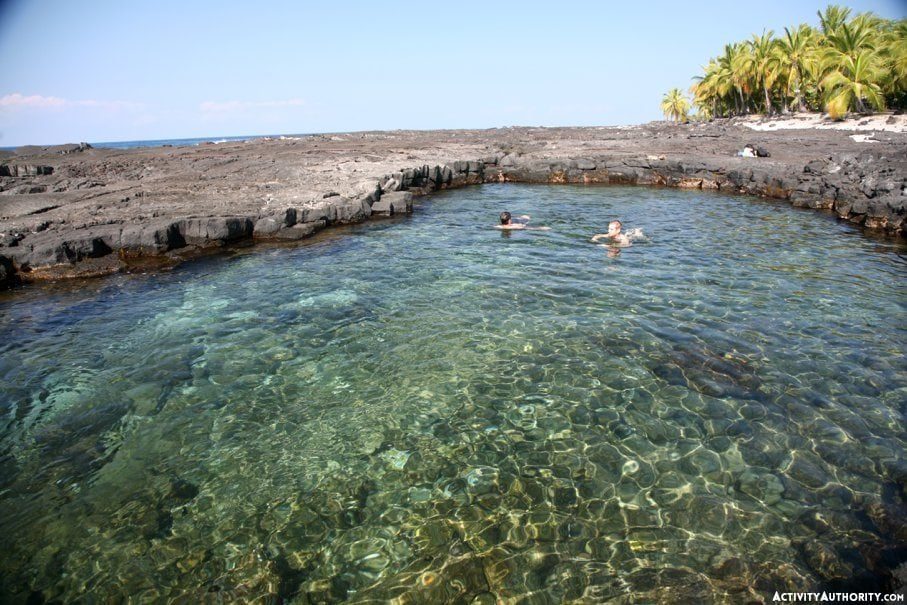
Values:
[(863, 138), (880, 122)]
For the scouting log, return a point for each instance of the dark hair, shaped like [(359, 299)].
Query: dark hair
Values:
[(618, 222), (505, 217)]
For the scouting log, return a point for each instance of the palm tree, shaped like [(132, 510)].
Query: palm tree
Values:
[(723, 78), (796, 54), (852, 68), (896, 45), (854, 83), (851, 38), (708, 91), (675, 106), (834, 17), (733, 74), (762, 64), (848, 63)]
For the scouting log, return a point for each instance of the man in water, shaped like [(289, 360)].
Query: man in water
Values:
[(508, 222), (614, 235)]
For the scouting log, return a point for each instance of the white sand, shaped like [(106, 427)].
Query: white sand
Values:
[(880, 122)]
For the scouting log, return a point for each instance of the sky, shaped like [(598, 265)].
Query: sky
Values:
[(99, 70)]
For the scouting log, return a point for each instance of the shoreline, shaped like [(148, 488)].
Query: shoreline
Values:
[(75, 211)]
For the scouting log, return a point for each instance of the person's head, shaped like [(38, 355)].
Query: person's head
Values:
[(505, 218), (614, 227)]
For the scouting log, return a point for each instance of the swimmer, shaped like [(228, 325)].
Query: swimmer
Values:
[(508, 222), (617, 238), (520, 222)]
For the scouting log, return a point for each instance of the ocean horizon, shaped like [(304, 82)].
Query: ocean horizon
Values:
[(162, 142)]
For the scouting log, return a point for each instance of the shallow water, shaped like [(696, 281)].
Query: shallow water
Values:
[(428, 408)]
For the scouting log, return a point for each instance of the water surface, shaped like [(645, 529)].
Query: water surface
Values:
[(431, 409), (173, 142)]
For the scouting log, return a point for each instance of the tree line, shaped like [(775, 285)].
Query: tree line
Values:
[(847, 64)]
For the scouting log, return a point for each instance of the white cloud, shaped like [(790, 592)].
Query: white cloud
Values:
[(19, 101), (227, 106)]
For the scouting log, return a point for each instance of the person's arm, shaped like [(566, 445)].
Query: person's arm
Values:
[(598, 236)]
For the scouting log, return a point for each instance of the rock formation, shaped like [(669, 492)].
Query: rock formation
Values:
[(70, 211)]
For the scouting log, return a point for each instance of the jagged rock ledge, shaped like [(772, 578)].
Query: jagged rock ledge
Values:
[(78, 216)]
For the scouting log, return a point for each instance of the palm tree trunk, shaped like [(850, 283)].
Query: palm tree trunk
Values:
[(800, 104), (768, 101)]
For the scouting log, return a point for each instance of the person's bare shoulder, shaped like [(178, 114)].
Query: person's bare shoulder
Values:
[(509, 227)]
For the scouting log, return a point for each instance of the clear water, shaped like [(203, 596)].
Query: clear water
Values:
[(430, 409)]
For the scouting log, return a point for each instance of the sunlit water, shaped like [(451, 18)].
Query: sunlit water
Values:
[(428, 408)]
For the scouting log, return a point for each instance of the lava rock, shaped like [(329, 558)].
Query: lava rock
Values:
[(152, 239), (218, 229), (398, 202)]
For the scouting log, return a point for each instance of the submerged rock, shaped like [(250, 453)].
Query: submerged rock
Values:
[(764, 487)]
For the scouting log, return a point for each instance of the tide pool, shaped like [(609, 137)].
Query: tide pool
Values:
[(432, 409)]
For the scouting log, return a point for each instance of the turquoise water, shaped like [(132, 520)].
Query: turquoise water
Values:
[(430, 409)]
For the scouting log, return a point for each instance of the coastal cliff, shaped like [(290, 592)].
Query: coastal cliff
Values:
[(76, 211)]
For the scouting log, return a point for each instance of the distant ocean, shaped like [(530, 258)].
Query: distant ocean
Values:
[(174, 142)]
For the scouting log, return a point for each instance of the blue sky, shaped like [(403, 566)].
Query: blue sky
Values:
[(99, 70)]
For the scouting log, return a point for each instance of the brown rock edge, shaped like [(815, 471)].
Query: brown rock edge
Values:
[(77, 211)]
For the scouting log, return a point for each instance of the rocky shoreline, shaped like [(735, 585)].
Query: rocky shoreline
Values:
[(76, 211)]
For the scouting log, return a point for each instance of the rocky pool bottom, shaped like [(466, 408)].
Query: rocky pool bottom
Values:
[(430, 409)]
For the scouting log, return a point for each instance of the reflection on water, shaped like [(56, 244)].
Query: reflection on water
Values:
[(427, 410)]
